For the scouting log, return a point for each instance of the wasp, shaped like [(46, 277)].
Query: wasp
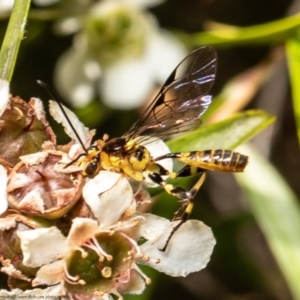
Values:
[(177, 108)]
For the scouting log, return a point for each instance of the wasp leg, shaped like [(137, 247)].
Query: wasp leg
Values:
[(187, 170), (185, 210), (186, 197)]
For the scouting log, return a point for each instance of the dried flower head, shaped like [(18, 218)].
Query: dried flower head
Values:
[(36, 186), (23, 129)]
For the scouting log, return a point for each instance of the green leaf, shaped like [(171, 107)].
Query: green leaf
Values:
[(13, 36), (272, 32), (278, 213), (227, 134), (293, 55)]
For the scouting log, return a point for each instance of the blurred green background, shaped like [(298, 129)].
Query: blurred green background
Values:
[(243, 265)]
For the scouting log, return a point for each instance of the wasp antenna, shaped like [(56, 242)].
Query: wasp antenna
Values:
[(56, 98)]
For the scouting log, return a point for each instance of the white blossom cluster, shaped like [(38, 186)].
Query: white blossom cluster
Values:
[(99, 253)]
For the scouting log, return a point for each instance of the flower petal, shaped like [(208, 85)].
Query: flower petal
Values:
[(49, 242), (49, 274), (9, 269), (126, 84), (38, 108), (6, 6), (162, 62), (109, 196), (81, 230), (74, 77), (59, 117), (188, 251), (52, 292), (153, 226), (135, 285), (3, 185), (67, 26), (4, 95)]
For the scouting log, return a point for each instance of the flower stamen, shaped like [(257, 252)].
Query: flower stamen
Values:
[(146, 278), (71, 279), (133, 243), (84, 254), (94, 245)]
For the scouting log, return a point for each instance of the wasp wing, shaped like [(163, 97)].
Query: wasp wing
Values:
[(181, 100)]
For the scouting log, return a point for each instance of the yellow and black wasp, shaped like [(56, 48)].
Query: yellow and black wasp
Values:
[(177, 108)]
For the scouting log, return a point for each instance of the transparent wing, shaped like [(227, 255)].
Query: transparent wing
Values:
[(181, 100)]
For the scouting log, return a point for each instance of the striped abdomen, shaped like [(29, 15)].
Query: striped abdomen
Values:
[(215, 160)]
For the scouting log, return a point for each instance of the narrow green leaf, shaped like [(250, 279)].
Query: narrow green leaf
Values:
[(272, 32), (278, 213), (13, 36), (293, 55), (227, 134)]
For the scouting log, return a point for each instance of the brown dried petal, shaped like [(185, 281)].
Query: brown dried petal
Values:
[(81, 210), (10, 270), (36, 187), (23, 129), (11, 256)]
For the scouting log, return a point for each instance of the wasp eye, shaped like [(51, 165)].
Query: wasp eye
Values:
[(91, 168), (139, 154)]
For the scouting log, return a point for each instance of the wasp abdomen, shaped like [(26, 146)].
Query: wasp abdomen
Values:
[(216, 160)]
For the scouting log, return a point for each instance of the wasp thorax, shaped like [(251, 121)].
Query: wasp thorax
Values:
[(115, 145)]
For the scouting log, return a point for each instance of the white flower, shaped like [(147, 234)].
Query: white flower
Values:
[(127, 83), (114, 237), (120, 54), (98, 255), (86, 235)]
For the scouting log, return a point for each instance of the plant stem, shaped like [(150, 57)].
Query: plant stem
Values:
[(12, 40)]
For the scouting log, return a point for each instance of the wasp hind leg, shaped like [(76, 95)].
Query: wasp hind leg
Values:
[(185, 210), (186, 197)]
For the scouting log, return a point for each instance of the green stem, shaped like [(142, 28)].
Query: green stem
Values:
[(273, 32), (293, 55), (13, 36)]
